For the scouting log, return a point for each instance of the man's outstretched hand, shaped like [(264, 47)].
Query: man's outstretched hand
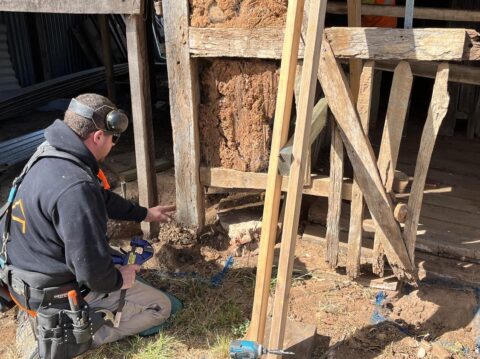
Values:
[(160, 214)]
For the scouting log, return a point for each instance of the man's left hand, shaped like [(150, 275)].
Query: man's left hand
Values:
[(160, 214)]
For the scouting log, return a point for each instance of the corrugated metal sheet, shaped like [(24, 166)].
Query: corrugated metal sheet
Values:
[(64, 54), (19, 46), (8, 81)]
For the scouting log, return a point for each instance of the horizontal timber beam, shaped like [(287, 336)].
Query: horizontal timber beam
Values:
[(360, 43), (263, 43), (427, 13), (74, 6), (228, 178), (433, 44)]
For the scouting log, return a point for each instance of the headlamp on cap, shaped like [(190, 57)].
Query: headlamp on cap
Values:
[(115, 122)]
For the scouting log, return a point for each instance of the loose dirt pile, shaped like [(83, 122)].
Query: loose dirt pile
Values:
[(236, 113), (238, 13)]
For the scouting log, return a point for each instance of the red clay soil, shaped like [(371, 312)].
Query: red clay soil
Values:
[(237, 13), (236, 113)]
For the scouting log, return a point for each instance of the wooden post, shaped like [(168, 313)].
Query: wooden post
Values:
[(294, 194), (436, 113), (355, 20), (362, 157), (283, 109), (334, 196), (142, 117), (390, 145), (184, 99), (356, 213), (107, 56)]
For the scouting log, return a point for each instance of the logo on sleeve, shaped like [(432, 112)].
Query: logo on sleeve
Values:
[(19, 215)]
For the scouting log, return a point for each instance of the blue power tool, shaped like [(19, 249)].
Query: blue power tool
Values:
[(247, 349), (140, 252)]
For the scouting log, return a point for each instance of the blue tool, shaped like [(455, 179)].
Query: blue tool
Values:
[(140, 252), (247, 349)]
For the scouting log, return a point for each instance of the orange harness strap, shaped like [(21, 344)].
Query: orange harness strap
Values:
[(29, 311)]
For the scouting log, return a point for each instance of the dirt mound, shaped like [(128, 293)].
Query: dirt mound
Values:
[(238, 13), (236, 113)]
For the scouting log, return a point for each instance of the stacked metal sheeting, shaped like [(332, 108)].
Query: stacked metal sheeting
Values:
[(71, 85), (19, 149)]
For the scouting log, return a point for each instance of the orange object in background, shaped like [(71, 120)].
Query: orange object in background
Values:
[(379, 21), (103, 178)]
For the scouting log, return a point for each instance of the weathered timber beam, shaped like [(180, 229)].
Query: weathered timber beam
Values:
[(426, 13), (130, 7), (227, 178), (184, 94), (458, 73), (404, 44), (360, 43), (264, 43)]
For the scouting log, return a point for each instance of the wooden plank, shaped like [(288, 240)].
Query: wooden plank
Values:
[(294, 192), (458, 73), (142, 118), (362, 157), (283, 109), (390, 144), (436, 113), (427, 13), (383, 44), (335, 197), (404, 44), (263, 43), (356, 213), (107, 56), (228, 178), (355, 20), (130, 7), (184, 99)]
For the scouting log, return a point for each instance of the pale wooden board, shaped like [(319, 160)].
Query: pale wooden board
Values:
[(427, 13), (436, 113), (365, 43), (73, 6), (142, 118), (293, 200), (364, 103), (283, 109), (390, 144), (184, 99), (362, 157), (355, 20)]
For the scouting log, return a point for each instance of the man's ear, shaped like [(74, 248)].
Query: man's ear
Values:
[(97, 136)]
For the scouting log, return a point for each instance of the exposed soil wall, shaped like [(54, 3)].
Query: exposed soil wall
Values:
[(237, 13), (236, 112)]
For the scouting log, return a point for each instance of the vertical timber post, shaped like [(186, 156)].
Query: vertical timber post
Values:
[(184, 98), (142, 117), (107, 56)]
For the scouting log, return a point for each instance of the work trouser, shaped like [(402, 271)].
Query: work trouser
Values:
[(145, 307)]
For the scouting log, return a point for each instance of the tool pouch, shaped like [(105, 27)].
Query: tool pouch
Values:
[(63, 333)]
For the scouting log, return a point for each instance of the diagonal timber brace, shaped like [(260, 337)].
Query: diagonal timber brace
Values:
[(359, 149)]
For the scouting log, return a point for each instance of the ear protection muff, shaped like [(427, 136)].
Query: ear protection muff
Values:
[(115, 122)]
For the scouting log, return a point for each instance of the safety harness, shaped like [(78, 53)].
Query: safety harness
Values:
[(62, 332)]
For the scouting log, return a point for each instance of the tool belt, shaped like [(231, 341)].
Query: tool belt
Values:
[(61, 332)]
